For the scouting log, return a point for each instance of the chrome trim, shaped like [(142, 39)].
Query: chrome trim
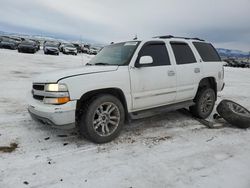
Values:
[(153, 95), (187, 89)]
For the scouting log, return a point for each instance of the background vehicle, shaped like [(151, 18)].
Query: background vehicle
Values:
[(69, 49), (85, 48), (93, 51), (132, 80), (78, 47), (37, 44), (61, 46), (27, 46), (51, 48), (8, 43)]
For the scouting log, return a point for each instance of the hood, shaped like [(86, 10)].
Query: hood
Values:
[(26, 45), (70, 48), (51, 48), (55, 76)]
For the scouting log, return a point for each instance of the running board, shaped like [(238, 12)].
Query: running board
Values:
[(160, 110)]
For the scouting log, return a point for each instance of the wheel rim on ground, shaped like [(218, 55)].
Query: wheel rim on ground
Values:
[(238, 109), (207, 103), (106, 119)]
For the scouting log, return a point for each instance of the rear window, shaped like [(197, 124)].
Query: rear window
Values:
[(183, 53), (207, 51)]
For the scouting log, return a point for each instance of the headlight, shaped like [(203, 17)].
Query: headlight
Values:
[(56, 87)]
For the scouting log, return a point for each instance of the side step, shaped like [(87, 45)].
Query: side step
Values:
[(160, 110)]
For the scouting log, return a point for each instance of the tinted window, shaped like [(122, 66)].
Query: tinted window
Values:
[(183, 53), (157, 51), (207, 51)]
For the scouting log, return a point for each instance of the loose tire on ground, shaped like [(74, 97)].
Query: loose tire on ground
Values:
[(204, 103), (98, 113), (234, 114)]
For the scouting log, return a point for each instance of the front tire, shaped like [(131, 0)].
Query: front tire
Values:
[(204, 103), (102, 119)]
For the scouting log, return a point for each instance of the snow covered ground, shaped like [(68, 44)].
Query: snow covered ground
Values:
[(171, 150)]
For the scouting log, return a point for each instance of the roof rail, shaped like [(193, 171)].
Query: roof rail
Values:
[(171, 36)]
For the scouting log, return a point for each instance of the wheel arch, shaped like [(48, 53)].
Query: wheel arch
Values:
[(208, 82), (91, 94)]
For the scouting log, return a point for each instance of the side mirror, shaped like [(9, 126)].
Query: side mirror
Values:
[(145, 60)]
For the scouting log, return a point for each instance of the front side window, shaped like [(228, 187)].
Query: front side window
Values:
[(115, 54), (157, 51), (183, 53), (207, 51)]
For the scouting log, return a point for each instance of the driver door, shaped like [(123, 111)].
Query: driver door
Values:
[(153, 84)]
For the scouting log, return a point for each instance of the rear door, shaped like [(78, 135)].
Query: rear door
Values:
[(211, 62), (188, 71), (153, 84)]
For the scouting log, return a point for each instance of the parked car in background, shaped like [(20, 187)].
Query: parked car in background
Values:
[(61, 46), (243, 64), (51, 48), (69, 49), (27, 46), (37, 44), (85, 48), (8, 43), (93, 51), (78, 47), (18, 40)]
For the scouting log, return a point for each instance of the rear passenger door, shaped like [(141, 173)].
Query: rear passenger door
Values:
[(153, 84), (188, 71)]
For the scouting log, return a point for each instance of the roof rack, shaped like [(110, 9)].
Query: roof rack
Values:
[(171, 36)]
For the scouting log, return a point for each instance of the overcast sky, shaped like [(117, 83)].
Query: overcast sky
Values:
[(226, 23)]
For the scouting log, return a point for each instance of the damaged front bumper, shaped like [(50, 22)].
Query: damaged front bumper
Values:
[(55, 115)]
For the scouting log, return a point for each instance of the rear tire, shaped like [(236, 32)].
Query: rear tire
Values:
[(102, 118), (204, 103), (234, 114)]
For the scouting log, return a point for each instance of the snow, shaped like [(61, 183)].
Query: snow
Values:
[(171, 150)]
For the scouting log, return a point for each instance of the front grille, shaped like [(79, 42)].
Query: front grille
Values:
[(37, 97), (39, 87)]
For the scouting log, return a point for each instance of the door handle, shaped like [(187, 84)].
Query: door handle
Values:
[(197, 70), (171, 73)]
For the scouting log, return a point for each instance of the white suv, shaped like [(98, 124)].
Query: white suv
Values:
[(130, 80)]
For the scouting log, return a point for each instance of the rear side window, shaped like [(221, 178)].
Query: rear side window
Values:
[(183, 53), (157, 51), (207, 51)]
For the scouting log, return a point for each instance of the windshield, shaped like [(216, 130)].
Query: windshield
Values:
[(28, 42), (6, 40), (116, 54), (69, 45)]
